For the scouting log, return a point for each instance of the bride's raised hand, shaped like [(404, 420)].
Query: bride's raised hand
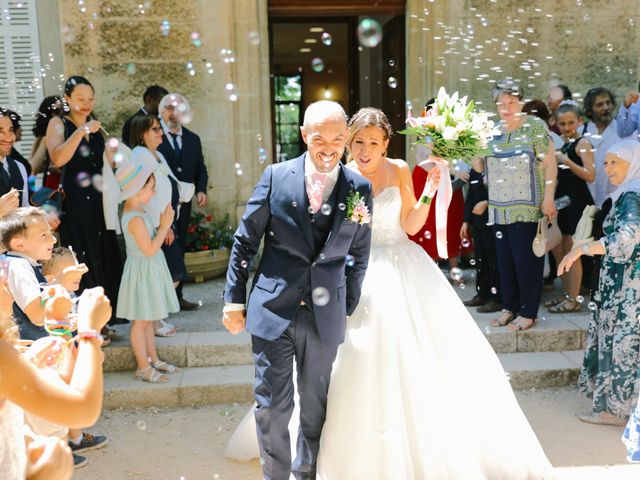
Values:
[(433, 181)]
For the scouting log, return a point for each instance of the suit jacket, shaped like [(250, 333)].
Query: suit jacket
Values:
[(291, 268), (189, 165)]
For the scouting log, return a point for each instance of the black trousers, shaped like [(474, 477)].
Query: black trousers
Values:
[(274, 395), (181, 230), (487, 278), (520, 270)]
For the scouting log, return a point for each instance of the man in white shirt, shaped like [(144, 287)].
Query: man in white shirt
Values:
[(601, 131), (13, 176)]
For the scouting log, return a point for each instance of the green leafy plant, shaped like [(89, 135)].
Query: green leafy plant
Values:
[(206, 233)]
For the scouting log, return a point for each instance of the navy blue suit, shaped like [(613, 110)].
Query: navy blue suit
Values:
[(303, 253), (187, 167)]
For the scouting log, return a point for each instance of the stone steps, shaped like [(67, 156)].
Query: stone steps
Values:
[(210, 349), (233, 383)]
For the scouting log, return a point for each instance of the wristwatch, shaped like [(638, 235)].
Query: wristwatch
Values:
[(585, 249)]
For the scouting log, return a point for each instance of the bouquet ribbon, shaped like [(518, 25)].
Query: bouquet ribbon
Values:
[(443, 200)]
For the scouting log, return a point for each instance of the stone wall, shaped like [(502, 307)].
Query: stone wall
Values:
[(119, 46), (466, 45)]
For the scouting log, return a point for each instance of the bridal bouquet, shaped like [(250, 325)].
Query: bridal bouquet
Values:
[(453, 129)]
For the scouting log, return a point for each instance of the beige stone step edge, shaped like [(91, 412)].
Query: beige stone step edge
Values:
[(230, 384), (207, 349)]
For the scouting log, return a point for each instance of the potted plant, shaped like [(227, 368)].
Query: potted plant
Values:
[(208, 242)]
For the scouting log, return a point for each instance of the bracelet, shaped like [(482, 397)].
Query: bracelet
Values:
[(425, 199), (57, 328), (90, 335)]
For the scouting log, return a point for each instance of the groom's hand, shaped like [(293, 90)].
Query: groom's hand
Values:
[(234, 321)]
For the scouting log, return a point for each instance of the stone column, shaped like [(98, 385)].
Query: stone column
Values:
[(120, 46), (425, 72)]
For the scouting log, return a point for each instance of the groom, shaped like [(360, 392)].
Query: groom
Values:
[(307, 282)]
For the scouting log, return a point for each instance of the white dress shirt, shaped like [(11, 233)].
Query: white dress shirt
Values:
[(169, 134), (330, 182)]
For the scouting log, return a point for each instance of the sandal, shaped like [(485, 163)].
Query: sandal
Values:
[(165, 367), (556, 301), (153, 376), (166, 330), (506, 317), (520, 324), (568, 306), (603, 418)]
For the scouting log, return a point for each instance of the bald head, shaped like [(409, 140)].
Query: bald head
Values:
[(325, 132), (322, 111)]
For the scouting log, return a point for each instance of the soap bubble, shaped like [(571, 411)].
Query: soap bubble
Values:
[(97, 182), (494, 290), (392, 82), (244, 264), (294, 204), (320, 296), (317, 65), (195, 39), (227, 55), (118, 157), (84, 151), (141, 425), (83, 179), (350, 260), (592, 306), (498, 235), (325, 209), (427, 235), (341, 206), (580, 299), (466, 243), (165, 28), (369, 33), (113, 142), (181, 109), (472, 262), (254, 38), (327, 39), (456, 274)]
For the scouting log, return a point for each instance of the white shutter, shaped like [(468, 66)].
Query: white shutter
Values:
[(20, 66)]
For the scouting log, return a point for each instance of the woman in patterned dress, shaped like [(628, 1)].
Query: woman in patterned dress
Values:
[(610, 372)]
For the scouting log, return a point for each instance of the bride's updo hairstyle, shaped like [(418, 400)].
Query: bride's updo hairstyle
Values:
[(368, 117)]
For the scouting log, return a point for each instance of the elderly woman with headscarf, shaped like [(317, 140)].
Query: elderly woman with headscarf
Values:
[(610, 371)]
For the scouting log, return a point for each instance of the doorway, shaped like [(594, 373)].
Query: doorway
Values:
[(316, 54)]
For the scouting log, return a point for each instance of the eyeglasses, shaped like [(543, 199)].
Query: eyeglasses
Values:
[(156, 129)]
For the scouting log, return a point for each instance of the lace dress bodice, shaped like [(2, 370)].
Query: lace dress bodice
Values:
[(385, 226)]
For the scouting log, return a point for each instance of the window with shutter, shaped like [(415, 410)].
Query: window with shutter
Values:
[(20, 66)]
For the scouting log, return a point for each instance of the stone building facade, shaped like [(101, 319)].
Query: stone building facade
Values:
[(464, 45)]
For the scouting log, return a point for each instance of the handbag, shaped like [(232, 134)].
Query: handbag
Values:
[(584, 230), (547, 237)]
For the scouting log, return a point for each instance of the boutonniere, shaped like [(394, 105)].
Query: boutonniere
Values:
[(357, 210)]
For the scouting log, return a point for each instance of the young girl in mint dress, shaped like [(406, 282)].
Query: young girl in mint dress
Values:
[(146, 290)]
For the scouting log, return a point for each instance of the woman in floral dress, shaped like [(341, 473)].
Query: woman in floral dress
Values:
[(610, 372)]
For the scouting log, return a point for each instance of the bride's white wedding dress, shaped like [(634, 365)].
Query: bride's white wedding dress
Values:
[(416, 391)]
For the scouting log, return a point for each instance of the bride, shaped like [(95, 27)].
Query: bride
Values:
[(416, 390)]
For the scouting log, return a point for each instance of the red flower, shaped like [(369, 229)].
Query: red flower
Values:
[(208, 218)]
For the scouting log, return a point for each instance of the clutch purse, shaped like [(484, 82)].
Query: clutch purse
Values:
[(547, 237), (49, 196), (585, 226)]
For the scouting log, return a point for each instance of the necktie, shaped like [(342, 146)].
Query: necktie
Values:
[(6, 178), (176, 145), (315, 188)]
